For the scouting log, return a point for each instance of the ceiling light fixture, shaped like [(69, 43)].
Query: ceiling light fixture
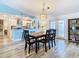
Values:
[(45, 9)]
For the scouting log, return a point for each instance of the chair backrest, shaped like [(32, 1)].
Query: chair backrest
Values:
[(26, 34), (53, 32), (47, 34)]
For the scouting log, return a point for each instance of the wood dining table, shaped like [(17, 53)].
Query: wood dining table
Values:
[(37, 35)]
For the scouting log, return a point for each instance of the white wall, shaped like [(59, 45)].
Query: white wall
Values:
[(65, 18)]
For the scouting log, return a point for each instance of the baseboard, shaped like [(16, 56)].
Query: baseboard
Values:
[(61, 38)]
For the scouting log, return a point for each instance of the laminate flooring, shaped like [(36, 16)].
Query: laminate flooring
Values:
[(63, 49)]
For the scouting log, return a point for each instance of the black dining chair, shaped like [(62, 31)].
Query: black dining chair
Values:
[(52, 36), (44, 40), (28, 40)]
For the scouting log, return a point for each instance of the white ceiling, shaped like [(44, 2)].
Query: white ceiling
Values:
[(34, 7)]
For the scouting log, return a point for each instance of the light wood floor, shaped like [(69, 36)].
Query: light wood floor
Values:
[(63, 49)]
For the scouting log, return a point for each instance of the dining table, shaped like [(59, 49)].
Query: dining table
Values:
[(37, 35)]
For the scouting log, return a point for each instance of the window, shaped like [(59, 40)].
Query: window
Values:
[(61, 28), (52, 24)]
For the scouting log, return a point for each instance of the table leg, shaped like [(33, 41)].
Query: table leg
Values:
[(36, 46), (45, 47)]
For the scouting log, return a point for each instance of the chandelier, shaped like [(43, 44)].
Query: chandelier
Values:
[(45, 9), (44, 15)]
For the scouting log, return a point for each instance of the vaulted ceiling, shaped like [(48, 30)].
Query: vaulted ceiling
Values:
[(34, 7)]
